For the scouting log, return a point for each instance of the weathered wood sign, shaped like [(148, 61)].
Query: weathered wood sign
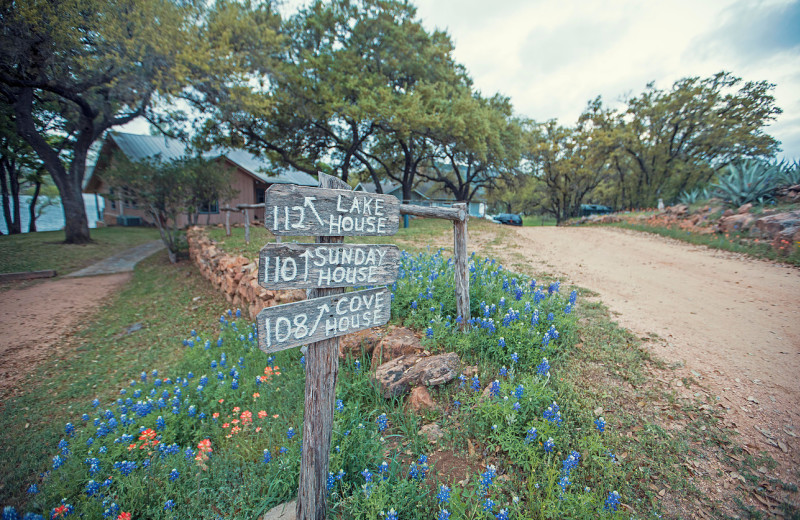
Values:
[(305, 266), (299, 210), (293, 324)]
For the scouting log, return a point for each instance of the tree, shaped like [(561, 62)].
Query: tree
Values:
[(19, 167), (92, 65), (165, 190), (670, 141), (478, 144), (207, 183), (569, 163)]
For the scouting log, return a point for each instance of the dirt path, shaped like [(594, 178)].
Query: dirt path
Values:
[(734, 322), (35, 320)]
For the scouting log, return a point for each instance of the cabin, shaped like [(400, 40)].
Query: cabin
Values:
[(437, 195), (251, 177), (394, 189)]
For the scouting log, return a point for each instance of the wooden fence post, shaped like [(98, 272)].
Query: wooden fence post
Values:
[(461, 271), (322, 370), (227, 211), (246, 226)]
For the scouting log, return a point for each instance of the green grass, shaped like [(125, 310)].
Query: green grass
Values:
[(47, 250), (538, 220), (167, 300), (733, 242)]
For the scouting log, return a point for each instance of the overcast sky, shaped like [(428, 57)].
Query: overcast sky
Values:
[(551, 57)]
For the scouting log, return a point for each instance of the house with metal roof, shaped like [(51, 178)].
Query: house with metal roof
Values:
[(389, 187), (251, 177)]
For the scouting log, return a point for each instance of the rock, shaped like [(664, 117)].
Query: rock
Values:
[(420, 399), (434, 370), (771, 225), (744, 208), (398, 341), (358, 343), (390, 375), (678, 209), (738, 222), (285, 511), (432, 431), (470, 371)]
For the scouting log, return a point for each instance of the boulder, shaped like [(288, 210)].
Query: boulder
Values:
[(432, 431), (770, 226), (744, 208), (358, 343), (678, 209), (737, 222), (398, 341), (434, 370), (390, 375), (420, 399)]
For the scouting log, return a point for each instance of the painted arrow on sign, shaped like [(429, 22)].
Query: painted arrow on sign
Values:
[(300, 210), (292, 324), (303, 266)]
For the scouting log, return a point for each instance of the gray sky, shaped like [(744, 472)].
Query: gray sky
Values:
[(551, 57)]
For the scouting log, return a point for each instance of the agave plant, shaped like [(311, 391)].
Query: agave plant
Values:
[(690, 197), (747, 181), (789, 174)]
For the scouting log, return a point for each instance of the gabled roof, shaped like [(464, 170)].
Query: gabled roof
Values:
[(137, 147)]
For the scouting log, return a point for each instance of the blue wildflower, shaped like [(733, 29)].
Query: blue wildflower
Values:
[(475, 384), (339, 405), (382, 422), (514, 357), (544, 368), (174, 474), (501, 342), (530, 436), (502, 515), (612, 502), (391, 514), (488, 505), (169, 504), (503, 371), (367, 475), (429, 332), (33, 489), (444, 514), (443, 495), (549, 445), (600, 424), (267, 457)]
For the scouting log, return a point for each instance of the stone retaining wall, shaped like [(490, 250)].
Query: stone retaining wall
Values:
[(236, 276)]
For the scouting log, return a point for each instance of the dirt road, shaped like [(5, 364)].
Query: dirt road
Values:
[(734, 321)]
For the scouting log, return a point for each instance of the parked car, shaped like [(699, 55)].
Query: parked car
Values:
[(510, 219)]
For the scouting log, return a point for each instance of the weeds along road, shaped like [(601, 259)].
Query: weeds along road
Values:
[(731, 319)]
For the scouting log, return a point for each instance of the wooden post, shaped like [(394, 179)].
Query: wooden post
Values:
[(246, 226), (227, 221), (461, 271), (322, 370)]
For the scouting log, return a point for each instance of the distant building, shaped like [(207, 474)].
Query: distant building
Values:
[(392, 188), (439, 196), (251, 177)]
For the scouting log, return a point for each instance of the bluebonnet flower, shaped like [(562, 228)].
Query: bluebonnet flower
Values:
[(267, 457), (544, 368), (462, 379), (514, 357), (564, 482), (391, 514), (549, 445), (502, 515), (383, 469), (530, 436), (367, 475), (519, 391), (456, 403), (382, 422), (125, 467), (414, 305), (535, 318), (494, 389), (571, 462), (174, 474), (503, 371), (550, 316), (553, 414), (160, 425), (95, 403), (330, 481), (488, 505), (169, 504), (85, 417), (429, 332), (283, 450), (475, 384), (64, 446), (516, 406), (57, 462), (487, 477), (612, 502), (303, 361), (573, 296), (33, 489), (567, 309), (501, 342), (290, 433), (339, 405), (600, 424), (69, 429), (444, 514), (554, 287), (444, 494), (357, 365)]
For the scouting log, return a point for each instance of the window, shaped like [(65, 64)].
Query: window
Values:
[(260, 195), (209, 207)]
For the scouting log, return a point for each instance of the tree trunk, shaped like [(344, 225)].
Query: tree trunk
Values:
[(9, 185), (69, 184), (32, 208)]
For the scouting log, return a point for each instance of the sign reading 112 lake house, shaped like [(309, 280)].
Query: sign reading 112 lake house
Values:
[(297, 211)]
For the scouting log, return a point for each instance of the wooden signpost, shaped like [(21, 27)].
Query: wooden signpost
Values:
[(325, 268)]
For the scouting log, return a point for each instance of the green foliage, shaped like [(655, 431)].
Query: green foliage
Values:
[(692, 196), (747, 181), (789, 174)]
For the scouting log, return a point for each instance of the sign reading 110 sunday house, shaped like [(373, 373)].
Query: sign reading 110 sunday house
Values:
[(293, 210)]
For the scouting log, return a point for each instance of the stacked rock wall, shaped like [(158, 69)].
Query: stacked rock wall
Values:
[(236, 276)]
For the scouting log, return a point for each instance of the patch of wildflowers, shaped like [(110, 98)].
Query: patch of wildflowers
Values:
[(612, 501), (600, 424), (444, 494), (382, 422), (549, 445)]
